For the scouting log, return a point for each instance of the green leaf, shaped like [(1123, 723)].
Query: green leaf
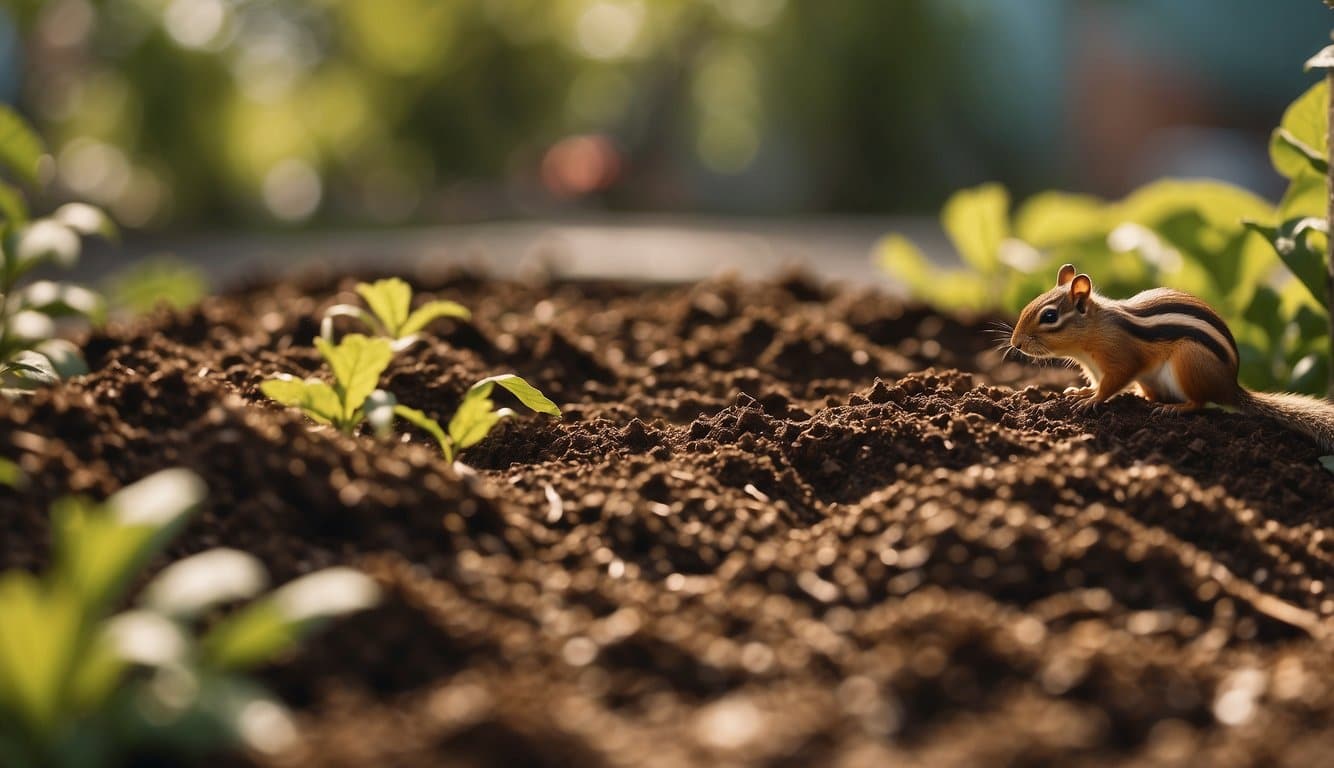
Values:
[(13, 206), (1288, 152), (475, 417), (1306, 196), (98, 548), (1327, 462), (1050, 219), (141, 287), (37, 649), (976, 221), (1290, 241), (249, 637), (274, 624), (62, 299), (432, 310), (902, 259), (430, 425), (1221, 205), (1264, 312), (86, 220), (389, 299), (96, 674), (191, 586), (529, 395), (10, 474), (1303, 133), (20, 149), (1310, 376), (1311, 323), (64, 357), (46, 240), (357, 363), (32, 367), (347, 310), (317, 399)]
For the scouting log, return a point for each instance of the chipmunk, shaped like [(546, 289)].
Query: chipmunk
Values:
[(1173, 346)]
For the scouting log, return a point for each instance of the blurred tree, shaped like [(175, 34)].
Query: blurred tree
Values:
[(217, 112)]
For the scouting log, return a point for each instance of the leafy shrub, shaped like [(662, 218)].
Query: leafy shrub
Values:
[(1205, 237), (391, 314), (29, 355), (79, 686)]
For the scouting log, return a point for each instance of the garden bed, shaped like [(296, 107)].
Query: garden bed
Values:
[(779, 524)]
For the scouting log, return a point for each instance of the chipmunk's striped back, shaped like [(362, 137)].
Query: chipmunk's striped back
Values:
[(1163, 314)]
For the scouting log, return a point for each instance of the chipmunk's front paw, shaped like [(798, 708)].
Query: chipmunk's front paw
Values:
[(1079, 391), (1088, 406)]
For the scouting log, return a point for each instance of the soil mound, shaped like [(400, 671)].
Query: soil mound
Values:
[(779, 524)]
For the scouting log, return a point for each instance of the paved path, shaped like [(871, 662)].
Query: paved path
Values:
[(654, 248)]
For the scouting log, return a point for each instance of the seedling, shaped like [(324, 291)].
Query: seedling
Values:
[(30, 356), (79, 686), (357, 362), (391, 314), (477, 414)]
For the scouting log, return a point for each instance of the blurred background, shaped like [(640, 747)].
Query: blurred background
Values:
[(186, 116)]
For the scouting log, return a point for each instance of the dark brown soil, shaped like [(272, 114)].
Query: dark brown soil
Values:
[(779, 524)]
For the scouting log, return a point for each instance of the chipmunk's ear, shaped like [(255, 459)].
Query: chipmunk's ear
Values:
[(1065, 275), (1080, 288)]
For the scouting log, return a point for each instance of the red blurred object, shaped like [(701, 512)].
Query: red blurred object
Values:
[(580, 165)]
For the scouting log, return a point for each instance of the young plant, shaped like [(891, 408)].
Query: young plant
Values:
[(476, 415), (391, 314), (79, 686), (30, 356), (357, 362)]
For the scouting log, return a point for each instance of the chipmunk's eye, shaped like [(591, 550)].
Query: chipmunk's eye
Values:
[(1048, 316)]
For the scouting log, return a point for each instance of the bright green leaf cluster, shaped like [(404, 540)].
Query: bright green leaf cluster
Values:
[(77, 683), (391, 314), (358, 361), (30, 356), (477, 415)]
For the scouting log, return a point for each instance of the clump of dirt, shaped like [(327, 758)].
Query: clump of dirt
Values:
[(779, 524)]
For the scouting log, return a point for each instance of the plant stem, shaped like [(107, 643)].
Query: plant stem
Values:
[(1329, 256)]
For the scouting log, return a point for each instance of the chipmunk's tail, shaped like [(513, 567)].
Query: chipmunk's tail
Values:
[(1310, 416)]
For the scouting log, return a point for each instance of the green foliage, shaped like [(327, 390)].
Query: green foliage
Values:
[(142, 287), (1296, 145), (29, 356), (80, 686), (391, 314), (357, 362), (476, 415), (1301, 243), (20, 149), (10, 474), (1208, 238)]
